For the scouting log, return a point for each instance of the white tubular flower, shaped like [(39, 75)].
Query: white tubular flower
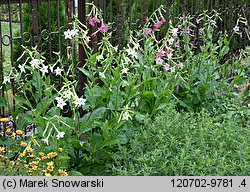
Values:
[(67, 94), (102, 75), (170, 55), (58, 71), (68, 34), (46, 140), (170, 41), (35, 63), (99, 57), (60, 102), (60, 135), (44, 69), (79, 102), (159, 61), (136, 46), (132, 52), (22, 69), (126, 116), (74, 32), (6, 79), (124, 70), (174, 32)]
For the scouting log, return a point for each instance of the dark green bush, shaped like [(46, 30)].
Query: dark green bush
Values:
[(188, 144), (43, 18)]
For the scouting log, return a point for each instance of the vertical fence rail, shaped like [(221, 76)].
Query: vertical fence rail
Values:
[(1, 65), (82, 54)]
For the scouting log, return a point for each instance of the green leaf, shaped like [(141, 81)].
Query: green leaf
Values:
[(74, 173), (238, 80), (23, 101), (96, 142), (161, 106), (85, 72), (109, 142), (43, 105), (3, 102), (37, 83), (224, 51)]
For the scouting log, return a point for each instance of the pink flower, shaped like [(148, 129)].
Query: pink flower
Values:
[(87, 40), (166, 67), (187, 31), (200, 31), (147, 31), (236, 29), (159, 61), (93, 20), (103, 28), (93, 35), (169, 51), (177, 44), (160, 54), (240, 33), (159, 23)]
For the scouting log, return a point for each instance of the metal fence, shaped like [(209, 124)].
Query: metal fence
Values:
[(34, 22)]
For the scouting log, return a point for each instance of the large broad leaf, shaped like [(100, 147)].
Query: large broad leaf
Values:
[(44, 104), (74, 173), (96, 142), (96, 114), (85, 72), (21, 100), (37, 82)]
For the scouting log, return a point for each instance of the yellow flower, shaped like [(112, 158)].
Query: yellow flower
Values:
[(13, 135), (23, 144), (2, 149), (52, 154), (8, 131), (1, 156), (29, 149), (31, 155), (60, 149), (63, 173), (34, 143), (34, 163), (19, 132), (47, 174), (41, 154), (50, 166), (34, 168), (51, 163), (22, 154), (4, 119), (44, 157)]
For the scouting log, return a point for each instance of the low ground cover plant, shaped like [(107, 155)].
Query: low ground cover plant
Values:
[(187, 144), (186, 68)]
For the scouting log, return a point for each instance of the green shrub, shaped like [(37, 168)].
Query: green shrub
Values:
[(43, 18), (188, 144)]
